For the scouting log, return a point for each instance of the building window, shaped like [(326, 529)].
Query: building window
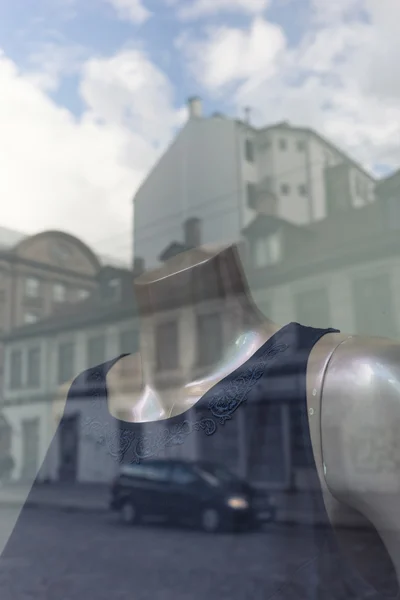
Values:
[(357, 183), (265, 144), (16, 369), (167, 346), (129, 341), (33, 378), (114, 283), (209, 339), (83, 294), (300, 145), (302, 189), (96, 350), (59, 292), (267, 250), (312, 308), (361, 186), (251, 195), (111, 289), (393, 212), (30, 318), (249, 150), (285, 189), (65, 362), (282, 144), (373, 306), (32, 287)]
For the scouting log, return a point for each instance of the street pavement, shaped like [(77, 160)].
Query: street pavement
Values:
[(58, 555), (79, 556)]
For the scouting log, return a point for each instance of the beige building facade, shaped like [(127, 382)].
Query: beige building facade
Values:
[(40, 274)]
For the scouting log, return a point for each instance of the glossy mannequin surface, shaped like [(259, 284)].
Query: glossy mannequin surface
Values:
[(188, 283), (354, 408)]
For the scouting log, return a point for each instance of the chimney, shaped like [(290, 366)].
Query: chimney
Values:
[(195, 107), (138, 265), (192, 233)]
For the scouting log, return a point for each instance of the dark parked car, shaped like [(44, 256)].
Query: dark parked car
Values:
[(204, 494)]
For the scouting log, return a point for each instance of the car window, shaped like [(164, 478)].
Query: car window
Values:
[(217, 472), (182, 475), (132, 470), (156, 472)]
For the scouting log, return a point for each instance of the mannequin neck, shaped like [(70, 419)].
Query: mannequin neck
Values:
[(199, 282)]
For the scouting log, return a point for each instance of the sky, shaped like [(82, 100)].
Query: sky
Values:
[(93, 91)]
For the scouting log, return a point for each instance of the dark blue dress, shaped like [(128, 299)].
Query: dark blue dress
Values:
[(255, 423)]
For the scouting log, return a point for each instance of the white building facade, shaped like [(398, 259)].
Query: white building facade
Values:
[(224, 172)]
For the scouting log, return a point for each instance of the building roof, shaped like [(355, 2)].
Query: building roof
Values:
[(11, 239), (265, 224), (353, 236), (172, 250), (98, 308), (312, 132)]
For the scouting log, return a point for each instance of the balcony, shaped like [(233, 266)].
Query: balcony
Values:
[(261, 197)]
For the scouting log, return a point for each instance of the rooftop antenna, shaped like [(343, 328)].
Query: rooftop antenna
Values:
[(247, 113)]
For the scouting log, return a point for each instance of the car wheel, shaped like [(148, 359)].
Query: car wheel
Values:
[(129, 513), (210, 520)]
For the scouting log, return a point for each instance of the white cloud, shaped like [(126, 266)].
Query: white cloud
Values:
[(80, 174), (50, 62), (341, 78), (131, 10), (194, 9), (337, 11), (230, 55)]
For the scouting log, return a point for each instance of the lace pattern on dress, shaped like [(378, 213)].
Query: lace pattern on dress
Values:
[(123, 443)]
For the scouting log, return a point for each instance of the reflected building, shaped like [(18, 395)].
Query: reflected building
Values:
[(226, 171), (51, 353), (342, 272)]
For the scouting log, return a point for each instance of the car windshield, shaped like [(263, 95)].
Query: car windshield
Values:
[(215, 474)]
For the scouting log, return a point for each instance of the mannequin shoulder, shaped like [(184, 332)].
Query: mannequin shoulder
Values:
[(360, 412), (363, 366)]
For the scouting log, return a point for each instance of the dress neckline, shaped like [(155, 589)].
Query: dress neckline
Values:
[(210, 399)]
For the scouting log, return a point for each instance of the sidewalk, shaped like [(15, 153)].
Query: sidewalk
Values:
[(291, 508)]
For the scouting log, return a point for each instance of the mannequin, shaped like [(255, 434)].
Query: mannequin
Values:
[(345, 374)]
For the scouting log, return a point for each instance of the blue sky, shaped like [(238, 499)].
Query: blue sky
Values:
[(95, 26), (93, 90)]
